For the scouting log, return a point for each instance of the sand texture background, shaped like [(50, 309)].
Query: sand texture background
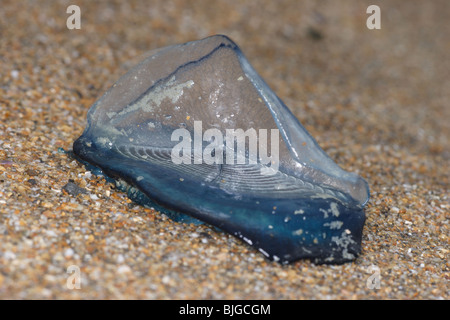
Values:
[(377, 101)]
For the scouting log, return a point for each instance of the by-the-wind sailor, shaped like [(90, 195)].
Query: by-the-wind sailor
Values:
[(195, 130)]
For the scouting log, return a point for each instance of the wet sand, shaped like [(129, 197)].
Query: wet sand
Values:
[(377, 101)]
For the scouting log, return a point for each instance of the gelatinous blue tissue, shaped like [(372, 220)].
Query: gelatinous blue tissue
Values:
[(161, 131)]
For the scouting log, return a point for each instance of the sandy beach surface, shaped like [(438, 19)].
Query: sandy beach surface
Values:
[(377, 101)]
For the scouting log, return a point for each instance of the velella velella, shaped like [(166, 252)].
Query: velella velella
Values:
[(196, 132)]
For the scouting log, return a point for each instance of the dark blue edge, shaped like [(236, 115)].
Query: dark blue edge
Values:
[(134, 194), (250, 220)]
